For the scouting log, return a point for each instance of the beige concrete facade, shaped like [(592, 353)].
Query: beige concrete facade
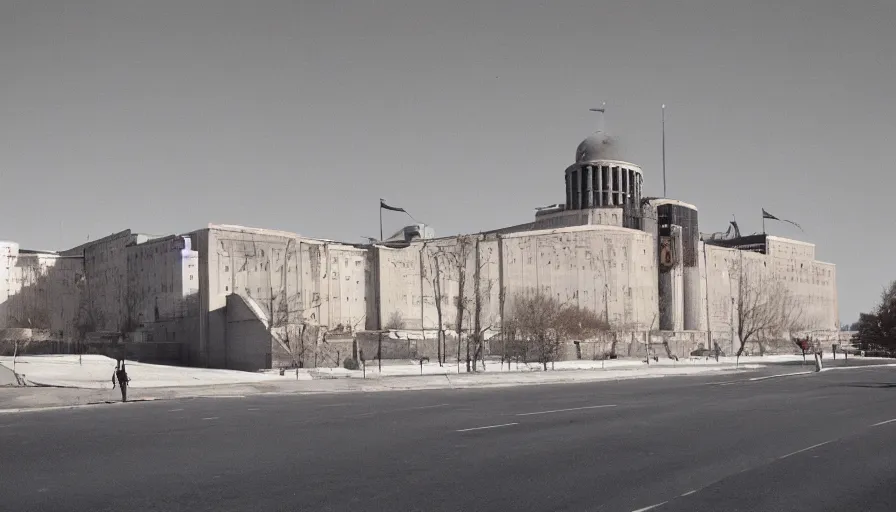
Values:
[(304, 288), (607, 269), (39, 290), (240, 297), (789, 263)]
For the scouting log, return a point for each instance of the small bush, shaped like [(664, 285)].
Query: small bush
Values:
[(395, 322), (350, 364)]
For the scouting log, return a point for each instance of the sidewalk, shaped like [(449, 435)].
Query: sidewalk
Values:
[(63, 381), (17, 399)]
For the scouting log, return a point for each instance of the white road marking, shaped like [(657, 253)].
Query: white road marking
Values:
[(689, 493), (859, 367), (724, 383), (883, 423), (52, 408), (428, 407), (650, 507), (565, 410), (805, 449), (374, 413), (490, 426), (212, 418), (780, 375), (337, 405), (252, 409), (175, 410)]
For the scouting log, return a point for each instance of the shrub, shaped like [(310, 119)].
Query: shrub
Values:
[(350, 364), (395, 322)]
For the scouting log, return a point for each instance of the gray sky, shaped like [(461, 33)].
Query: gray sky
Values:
[(164, 116)]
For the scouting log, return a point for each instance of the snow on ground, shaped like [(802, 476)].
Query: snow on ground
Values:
[(95, 371), (409, 368)]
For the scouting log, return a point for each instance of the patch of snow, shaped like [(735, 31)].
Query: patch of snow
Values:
[(95, 372)]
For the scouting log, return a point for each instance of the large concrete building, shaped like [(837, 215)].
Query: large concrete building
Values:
[(245, 298)]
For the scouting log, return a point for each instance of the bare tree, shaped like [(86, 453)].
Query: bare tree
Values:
[(481, 291), (442, 262), (502, 295), (540, 324), (90, 316), (461, 300), (764, 308), (437, 299)]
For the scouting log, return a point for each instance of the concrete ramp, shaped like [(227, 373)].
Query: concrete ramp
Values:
[(8, 377)]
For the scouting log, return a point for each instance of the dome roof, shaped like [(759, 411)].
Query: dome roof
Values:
[(599, 146)]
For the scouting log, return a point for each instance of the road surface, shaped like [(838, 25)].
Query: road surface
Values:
[(714, 443)]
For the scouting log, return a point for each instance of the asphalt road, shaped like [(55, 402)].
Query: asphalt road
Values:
[(720, 443)]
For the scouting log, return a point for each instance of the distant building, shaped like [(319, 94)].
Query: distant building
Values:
[(246, 298)]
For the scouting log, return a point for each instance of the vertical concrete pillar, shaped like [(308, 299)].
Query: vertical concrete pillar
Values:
[(568, 190), (624, 172), (678, 281), (600, 185), (671, 288), (579, 188), (589, 186), (611, 185), (691, 297), (636, 196), (617, 186)]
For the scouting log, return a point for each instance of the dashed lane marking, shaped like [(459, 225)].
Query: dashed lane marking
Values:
[(805, 449), (175, 410), (490, 426), (754, 379), (688, 493), (883, 422), (565, 410), (374, 413), (212, 418), (645, 509)]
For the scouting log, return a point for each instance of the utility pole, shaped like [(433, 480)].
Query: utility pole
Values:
[(664, 150)]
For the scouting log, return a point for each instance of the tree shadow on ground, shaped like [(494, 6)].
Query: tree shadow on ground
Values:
[(871, 385), (828, 362)]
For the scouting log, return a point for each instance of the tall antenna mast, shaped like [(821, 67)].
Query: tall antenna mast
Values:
[(664, 150), (603, 111)]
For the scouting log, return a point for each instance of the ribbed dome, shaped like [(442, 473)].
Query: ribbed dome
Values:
[(599, 146)]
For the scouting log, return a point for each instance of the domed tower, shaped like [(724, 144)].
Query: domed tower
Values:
[(601, 176)]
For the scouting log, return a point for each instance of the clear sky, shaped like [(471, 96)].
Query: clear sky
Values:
[(162, 116)]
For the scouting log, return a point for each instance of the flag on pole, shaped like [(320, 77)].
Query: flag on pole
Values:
[(391, 208), (766, 215)]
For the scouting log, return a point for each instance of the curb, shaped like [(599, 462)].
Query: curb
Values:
[(858, 367), (809, 372), (75, 406)]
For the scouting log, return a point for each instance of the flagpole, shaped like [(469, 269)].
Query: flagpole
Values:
[(381, 219), (763, 223), (664, 150)]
